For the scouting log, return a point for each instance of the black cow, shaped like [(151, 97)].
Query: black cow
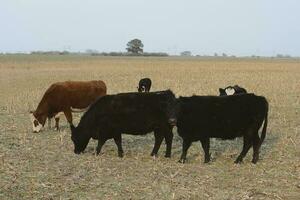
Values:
[(232, 90), (225, 117), (144, 85), (131, 113)]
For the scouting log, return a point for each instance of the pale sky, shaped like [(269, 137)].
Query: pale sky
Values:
[(239, 27)]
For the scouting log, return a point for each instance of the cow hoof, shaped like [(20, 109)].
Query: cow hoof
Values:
[(181, 161), (254, 161), (238, 161), (168, 156), (120, 155), (153, 154), (154, 157)]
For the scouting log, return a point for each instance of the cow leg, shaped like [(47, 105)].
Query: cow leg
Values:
[(256, 147), (169, 139), (158, 140), (118, 141), (56, 123), (205, 146), (185, 146), (49, 122), (246, 146), (99, 146), (68, 115)]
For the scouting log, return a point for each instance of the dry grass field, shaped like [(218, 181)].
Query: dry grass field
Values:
[(43, 165)]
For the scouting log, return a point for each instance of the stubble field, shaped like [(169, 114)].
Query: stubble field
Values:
[(43, 165)]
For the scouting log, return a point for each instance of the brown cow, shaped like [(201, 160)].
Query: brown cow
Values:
[(65, 97)]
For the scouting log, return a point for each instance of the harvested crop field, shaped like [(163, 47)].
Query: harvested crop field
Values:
[(43, 165)]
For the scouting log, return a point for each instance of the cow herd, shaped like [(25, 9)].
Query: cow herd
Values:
[(234, 113)]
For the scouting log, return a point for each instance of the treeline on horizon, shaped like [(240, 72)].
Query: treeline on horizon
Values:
[(144, 54), (93, 53)]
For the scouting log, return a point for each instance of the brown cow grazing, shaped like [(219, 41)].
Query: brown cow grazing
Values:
[(65, 97)]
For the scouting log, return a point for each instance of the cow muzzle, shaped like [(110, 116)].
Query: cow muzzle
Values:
[(37, 129)]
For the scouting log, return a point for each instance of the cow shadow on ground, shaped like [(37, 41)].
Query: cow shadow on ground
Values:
[(137, 144), (224, 148), (133, 145), (269, 143), (233, 148), (130, 144)]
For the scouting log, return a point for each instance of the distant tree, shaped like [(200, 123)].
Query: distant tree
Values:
[(186, 53), (160, 54), (91, 51), (224, 54), (255, 56), (135, 46), (216, 55), (283, 56)]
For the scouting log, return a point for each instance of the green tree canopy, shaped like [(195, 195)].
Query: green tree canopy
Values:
[(135, 46)]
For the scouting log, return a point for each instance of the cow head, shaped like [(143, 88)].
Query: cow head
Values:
[(79, 139), (141, 88), (172, 112), (227, 91), (36, 121), (171, 108)]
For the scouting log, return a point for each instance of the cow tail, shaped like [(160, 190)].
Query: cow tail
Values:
[(264, 130)]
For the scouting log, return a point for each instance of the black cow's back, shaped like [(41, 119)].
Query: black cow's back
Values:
[(132, 113)]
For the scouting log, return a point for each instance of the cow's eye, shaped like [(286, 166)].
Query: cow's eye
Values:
[(36, 123)]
